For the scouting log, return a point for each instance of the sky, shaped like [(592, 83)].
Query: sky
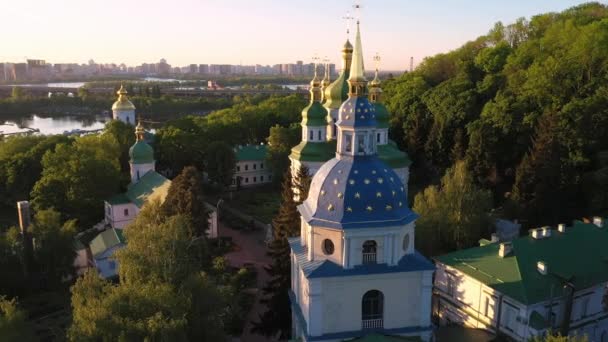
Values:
[(247, 31)]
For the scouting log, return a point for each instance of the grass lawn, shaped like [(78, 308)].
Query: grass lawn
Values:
[(260, 202)]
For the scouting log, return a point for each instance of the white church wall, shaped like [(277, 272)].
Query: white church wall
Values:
[(122, 214), (139, 170), (335, 236), (124, 116), (342, 300)]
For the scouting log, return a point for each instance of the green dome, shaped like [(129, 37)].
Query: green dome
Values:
[(141, 153), (392, 156), (337, 91), (314, 115), (314, 151), (382, 115)]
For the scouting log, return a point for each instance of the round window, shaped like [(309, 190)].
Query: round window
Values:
[(406, 242), (328, 247)]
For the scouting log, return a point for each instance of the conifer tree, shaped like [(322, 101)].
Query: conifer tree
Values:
[(538, 187), (277, 319), (302, 183), (186, 197)]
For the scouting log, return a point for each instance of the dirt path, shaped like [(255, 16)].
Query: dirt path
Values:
[(250, 248)]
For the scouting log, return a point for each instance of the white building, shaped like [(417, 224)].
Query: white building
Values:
[(123, 109), (251, 167), (146, 184), (354, 269), (551, 280)]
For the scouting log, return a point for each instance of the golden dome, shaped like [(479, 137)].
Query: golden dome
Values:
[(348, 47), (123, 102)]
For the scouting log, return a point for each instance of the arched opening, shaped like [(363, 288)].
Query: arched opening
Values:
[(372, 310), (369, 252)]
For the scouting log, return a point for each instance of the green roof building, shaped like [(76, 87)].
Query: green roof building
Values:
[(314, 149), (553, 279), (251, 168)]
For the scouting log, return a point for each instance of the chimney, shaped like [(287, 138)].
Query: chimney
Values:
[(546, 230), (494, 237), (505, 249), (561, 228), (536, 233), (25, 218), (542, 268), (598, 221)]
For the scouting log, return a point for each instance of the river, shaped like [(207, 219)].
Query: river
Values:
[(53, 125)]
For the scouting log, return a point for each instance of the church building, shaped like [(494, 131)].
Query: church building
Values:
[(354, 268), (123, 109), (319, 118)]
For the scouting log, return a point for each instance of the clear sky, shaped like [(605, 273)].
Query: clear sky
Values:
[(246, 31)]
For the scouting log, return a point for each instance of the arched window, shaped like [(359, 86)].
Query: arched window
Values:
[(372, 310), (319, 135), (312, 135), (369, 252)]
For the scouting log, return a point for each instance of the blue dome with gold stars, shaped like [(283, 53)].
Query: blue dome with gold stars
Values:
[(357, 112), (356, 192)]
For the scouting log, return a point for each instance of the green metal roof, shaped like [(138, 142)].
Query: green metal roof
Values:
[(314, 151), (119, 199), (382, 115), (578, 255), (251, 152), (141, 153), (151, 186), (106, 240), (392, 156), (314, 115)]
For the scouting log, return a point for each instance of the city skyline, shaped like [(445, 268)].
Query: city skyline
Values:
[(238, 32)]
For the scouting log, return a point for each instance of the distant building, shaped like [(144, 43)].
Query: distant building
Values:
[(203, 69), (193, 69), (550, 280), (251, 168), (19, 72), (123, 109)]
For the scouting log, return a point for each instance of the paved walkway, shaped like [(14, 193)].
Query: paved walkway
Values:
[(250, 248)]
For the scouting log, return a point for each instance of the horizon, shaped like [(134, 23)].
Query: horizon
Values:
[(205, 33)]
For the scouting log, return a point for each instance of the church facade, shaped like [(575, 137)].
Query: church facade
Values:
[(354, 268)]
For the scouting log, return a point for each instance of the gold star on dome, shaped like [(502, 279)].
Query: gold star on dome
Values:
[(336, 181), (351, 182), (365, 110), (389, 207), (347, 117), (380, 180), (373, 172), (351, 110), (401, 189), (394, 193), (401, 204), (340, 171), (330, 207), (349, 209), (378, 194), (373, 116), (385, 170), (369, 208), (340, 195), (366, 181), (322, 192), (361, 104), (358, 110), (392, 179), (357, 195), (356, 172), (362, 117)]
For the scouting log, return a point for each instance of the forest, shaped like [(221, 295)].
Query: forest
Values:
[(524, 106)]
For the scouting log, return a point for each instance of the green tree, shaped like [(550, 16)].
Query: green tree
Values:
[(280, 142), (77, 178), (452, 216), (185, 197), (124, 135), (220, 162), (558, 338), (13, 322), (54, 245), (276, 320)]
